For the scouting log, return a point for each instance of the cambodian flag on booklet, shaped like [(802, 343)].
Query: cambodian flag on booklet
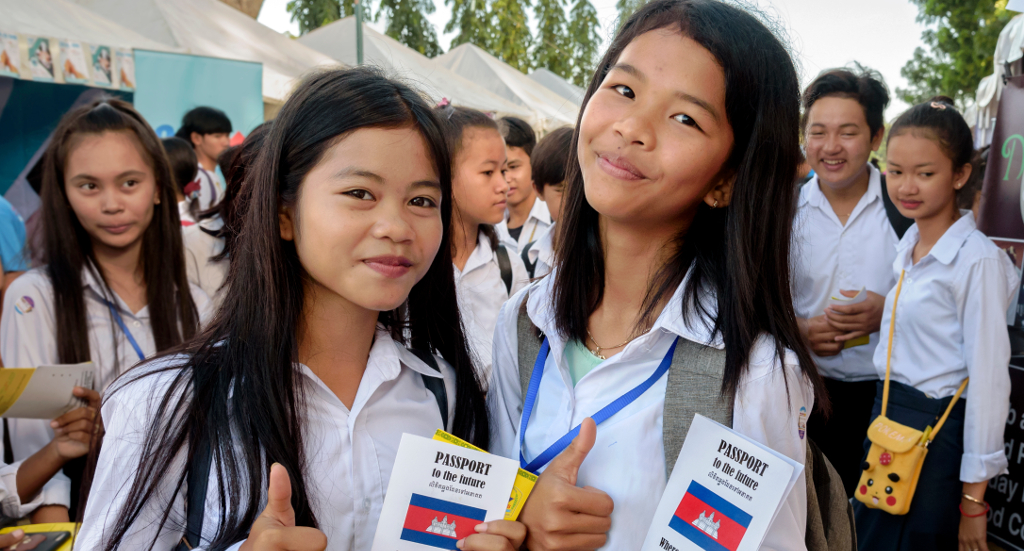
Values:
[(709, 521), (439, 523)]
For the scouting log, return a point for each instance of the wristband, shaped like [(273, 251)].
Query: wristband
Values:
[(961, 506)]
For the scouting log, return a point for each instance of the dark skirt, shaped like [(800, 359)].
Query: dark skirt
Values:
[(933, 521)]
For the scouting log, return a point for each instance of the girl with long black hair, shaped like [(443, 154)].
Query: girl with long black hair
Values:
[(113, 290), (306, 378), (673, 248)]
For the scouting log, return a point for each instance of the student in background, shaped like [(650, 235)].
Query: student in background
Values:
[(208, 244), (525, 219), (950, 304), (113, 288), (209, 132), (843, 241), (681, 135), (184, 167), (306, 379), (486, 272), (550, 159)]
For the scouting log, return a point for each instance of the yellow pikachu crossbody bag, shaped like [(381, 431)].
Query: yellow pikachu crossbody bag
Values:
[(893, 465)]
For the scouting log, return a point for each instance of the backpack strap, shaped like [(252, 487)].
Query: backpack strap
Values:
[(198, 480), (694, 386), (505, 265), (531, 267), (434, 385), (529, 341), (900, 224), (830, 524)]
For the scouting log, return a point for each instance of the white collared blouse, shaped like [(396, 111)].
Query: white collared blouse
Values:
[(349, 453), (951, 324), (536, 223), (628, 458)]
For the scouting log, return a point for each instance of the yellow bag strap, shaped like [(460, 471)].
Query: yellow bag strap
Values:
[(888, 367)]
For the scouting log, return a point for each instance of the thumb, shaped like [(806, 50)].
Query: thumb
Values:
[(849, 294), (567, 465), (279, 496)]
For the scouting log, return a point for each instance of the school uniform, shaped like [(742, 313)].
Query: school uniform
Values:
[(827, 257), (11, 505), (627, 460), (538, 221), (349, 453), (481, 292), (209, 190), (542, 253), (28, 338), (201, 268), (950, 324), (184, 215)]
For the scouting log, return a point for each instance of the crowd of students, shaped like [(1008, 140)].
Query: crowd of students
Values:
[(261, 348)]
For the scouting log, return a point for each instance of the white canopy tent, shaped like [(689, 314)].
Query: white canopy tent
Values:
[(1009, 50), (558, 85), (65, 19), (508, 82), (338, 40), (211, 28)]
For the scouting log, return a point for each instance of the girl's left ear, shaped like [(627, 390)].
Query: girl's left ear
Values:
[(721, 193)]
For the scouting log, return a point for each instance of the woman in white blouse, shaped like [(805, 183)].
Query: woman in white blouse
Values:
[(950, 324), (299, 391)]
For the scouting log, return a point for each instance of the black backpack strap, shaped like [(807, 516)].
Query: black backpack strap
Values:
[(531, 267), (505, 265), (8, 450), (434, 384), (900, 224), (198, 480)]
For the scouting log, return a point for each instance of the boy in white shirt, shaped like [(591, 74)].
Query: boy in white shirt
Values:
[(549, 167), (843, 242), (526, 218)]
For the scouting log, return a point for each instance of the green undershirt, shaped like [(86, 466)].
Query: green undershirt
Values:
[(580, 360)]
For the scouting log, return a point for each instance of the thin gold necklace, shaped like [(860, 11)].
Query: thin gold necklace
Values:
[(598, 348)]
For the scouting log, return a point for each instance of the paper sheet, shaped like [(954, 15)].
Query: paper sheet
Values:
[(44, 392), (724, 492)]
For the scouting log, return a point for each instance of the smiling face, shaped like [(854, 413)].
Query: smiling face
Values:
[(922, 181), (519, 175), (478, 183), (839, 141), (654, 138), (365, 227), (111, 188)]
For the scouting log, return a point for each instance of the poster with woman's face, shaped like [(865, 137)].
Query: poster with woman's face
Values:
[(102, 65), (10, 59), (72, 61), (40, 58)]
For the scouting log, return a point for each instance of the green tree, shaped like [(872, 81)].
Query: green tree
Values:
[(553, 49), (313, 14), (511, 39), (407, 23), (472, 21), (584, 36), (960, 47), (627, 8)]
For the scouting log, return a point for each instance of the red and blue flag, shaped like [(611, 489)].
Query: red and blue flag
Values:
[(709, 521), (439, 523)]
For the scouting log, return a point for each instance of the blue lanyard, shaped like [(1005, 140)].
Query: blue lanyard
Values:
[(599, 417), (117, 317)]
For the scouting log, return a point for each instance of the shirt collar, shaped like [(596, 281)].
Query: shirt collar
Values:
[(540, 308), (540, 212), (947, 247), (91, 281), (481, 255), (811, 193)]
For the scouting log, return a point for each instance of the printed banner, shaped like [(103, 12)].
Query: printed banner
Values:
[(40, 59), (999, 216), (126, 66), (10, 56), (1005, 493), (72, 62), (102, 65)]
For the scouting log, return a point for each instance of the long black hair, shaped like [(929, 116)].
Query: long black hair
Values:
[(249, 351), (738, 254), (67, 249), (184, 167)]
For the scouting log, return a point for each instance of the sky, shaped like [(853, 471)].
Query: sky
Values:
[(880, 34)]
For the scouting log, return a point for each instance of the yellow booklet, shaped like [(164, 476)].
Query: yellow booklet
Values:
[(30, 529), (520, 490)]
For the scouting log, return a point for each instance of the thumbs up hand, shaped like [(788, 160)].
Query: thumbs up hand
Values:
[(275, 528), (560, 516)]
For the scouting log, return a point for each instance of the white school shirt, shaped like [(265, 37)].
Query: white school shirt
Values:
[(538, 221), (349, 453), (951, 324), (10, 503), (201, 268), (628, 458), (828, 256), (542, 253), (184, 215), (28, 338), (481, 292), (209, 191)]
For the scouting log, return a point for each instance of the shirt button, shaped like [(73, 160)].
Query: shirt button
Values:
[(136, 324), (366, 504)]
